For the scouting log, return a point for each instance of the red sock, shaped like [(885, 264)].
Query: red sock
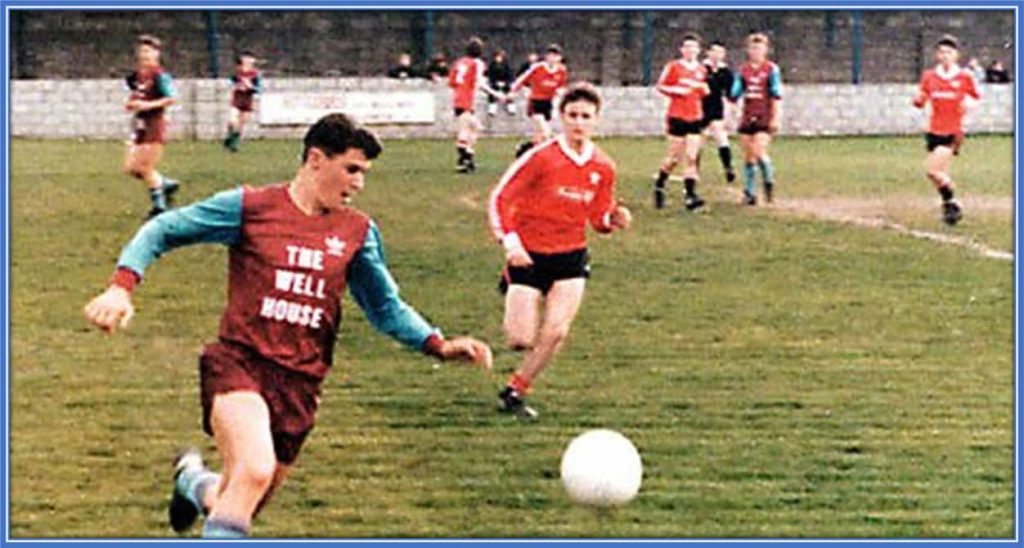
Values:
[(518, 383)]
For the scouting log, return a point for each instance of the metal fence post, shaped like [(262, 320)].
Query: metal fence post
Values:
[(212, 45), (857, 47), (648, 56)]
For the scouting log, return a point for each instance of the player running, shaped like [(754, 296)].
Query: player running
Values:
[(946, 87), (152, 91), (684, 82), (467, 77), (539, 211), (246, 84), (720, 79), (546, 80), (759, 84), (293, 249)]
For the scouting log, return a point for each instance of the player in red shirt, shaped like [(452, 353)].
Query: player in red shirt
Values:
[(684, 82), (546, 80), (947, 87), (246, 85), (539, 211), (293, 249), (759, 84), (467, 77), (152, 91)]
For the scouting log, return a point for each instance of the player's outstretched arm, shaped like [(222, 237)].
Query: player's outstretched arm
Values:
[(217, 219), (375, 291)]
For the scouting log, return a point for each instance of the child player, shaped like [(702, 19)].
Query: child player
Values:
[(545, 80), (246, 84), (539, 212), (759, 84), (152, 91), (946, 87), (467, 77), (684, 81), (293, 248), (720, 85)]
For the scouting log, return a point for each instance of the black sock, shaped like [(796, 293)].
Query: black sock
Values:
[(946, 192), (463, 154), (662, 178), (691, 185), (725, 155)]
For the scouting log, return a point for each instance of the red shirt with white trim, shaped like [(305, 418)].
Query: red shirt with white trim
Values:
[(685, 84), (465, 77), (946, 92), (543, 80), (546, 198)]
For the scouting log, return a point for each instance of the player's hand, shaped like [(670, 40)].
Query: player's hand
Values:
[(518, 258), (621, 218), (468, 349), (111, 309), (132, 105)]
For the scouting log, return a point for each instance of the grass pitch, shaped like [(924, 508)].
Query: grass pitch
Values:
[(782, 375)]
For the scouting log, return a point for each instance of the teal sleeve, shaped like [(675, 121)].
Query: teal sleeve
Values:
[(775, 83), (166, 85), (257, 84), (215, 220), (376, 292), (737, 87)]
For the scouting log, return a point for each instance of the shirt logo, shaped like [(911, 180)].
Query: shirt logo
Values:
[(335, 246), (595, 178)]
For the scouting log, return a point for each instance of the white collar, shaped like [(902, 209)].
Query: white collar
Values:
[(941, 72), (578, 159), (549, 68)]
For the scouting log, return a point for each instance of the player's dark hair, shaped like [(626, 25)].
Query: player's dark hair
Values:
[(948, 40), (580, 91), (245, 53), (688, 37), (148, 40), (718, 43), (335, 133), (553, 48), (475, 47), (758, 38)]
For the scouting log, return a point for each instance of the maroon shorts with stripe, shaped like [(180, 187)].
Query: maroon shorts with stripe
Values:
[(149, 130), (242, 101), (291, 397)]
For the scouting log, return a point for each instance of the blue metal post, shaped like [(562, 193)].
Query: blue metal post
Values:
[(212, 44), (648, 50), (428, 34), (857, 47)]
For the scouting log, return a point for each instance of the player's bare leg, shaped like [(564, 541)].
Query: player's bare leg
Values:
[(762, 143), (541, 132), (560, 308), (720, 135), (140, 162), (467, 132), (673, 156), (936, 165), (241, 428), (236, 120), (750, 158), (691, 157), (522, 316)]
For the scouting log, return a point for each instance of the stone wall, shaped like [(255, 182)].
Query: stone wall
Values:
[(92, 109), (601, 46)]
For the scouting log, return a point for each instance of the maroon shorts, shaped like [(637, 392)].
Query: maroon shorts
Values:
[(291, 397), (242, 101), (149, 130), (753, 125)]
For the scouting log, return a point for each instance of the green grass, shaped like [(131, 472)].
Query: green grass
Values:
[(782, 376)]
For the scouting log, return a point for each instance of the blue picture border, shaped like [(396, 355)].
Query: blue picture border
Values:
[(5, 278)]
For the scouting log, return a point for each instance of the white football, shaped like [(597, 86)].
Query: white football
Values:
[(601, 468)]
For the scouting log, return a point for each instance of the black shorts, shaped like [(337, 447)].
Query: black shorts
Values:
[(546, 270), (712, 115), (677, 127), (542, 107), (934, 141)]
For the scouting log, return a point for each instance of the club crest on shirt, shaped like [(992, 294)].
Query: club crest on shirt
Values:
[(335, 246), (595, 178)]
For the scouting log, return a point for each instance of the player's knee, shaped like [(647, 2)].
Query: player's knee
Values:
[(256, 474), (516, 340), (554, 335)]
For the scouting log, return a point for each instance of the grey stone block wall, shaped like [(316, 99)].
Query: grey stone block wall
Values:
[(93, 109)]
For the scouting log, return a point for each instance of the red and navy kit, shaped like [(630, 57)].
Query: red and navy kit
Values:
[(150, 84), (245, 86), (465, 77), (946, 91), (760, 86)]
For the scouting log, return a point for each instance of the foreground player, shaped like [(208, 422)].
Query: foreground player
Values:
[(759, 84), (545, 80), (684, 82), (293, 248), (467, 78), (720, 79), (152, 91), (946, 87), (539, 212), (247, 83)]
